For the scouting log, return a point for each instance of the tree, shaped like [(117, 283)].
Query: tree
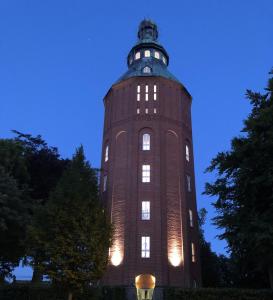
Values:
[(244, 190), (210, 262), (72, 229), (13, 219), (44, 168)]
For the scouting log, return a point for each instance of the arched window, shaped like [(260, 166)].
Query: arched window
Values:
[(147, 53), (187, 153), (137, 55), (157, 54), (146, 141), (106, 154)]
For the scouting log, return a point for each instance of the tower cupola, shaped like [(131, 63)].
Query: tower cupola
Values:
[(148, 57)]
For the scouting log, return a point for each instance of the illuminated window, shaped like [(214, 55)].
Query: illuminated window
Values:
[(191, 218), (155, 88), (146, 110), (138, 111), (193, 254), (146, 88), (146, 97), (164, 60), (105, 183), (188, 183), (145, 246), (137, 55), (187, 153), (138, 93), (146, 173), (146, 69), (106, 155), (147, 53), (145, 210), (155, 111), (157, 54), (146, 139)]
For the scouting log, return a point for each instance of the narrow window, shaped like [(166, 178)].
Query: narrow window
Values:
[(145, 210), (146, 88), (146, 173), (137, 55), (193, 255), (106, 155), (157, 54), (146, 97), (138, 93), (145, 246), (188, 183), (155, 95), (164, 60), (146, 111), (146, 141), (105, 183), (138, 111), (187, 153), (147, 53), (154, 110), (191, 218)]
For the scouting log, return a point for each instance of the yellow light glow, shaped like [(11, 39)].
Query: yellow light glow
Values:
[(116, 257), (175, 257)]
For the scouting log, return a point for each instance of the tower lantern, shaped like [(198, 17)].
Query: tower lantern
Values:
[(147, 179)]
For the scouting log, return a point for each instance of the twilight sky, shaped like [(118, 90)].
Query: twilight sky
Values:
[(59, 58)]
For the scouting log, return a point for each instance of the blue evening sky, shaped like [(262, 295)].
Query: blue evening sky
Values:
[(59, 58)]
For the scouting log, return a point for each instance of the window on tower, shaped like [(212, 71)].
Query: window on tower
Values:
[(164, 59), (155, 111), (157, 54), (137, 55), (146, 69), (146, 173), (187, 153), (145, 210), (191, 218), (147, 53), (138, 111), (146, 141), (104, 183), (193, 254), (106, 155), (146, 92), (138, 93), (145, 246), (155, 92), (188, 183)]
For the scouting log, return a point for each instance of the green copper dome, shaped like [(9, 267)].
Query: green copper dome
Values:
[(147, 57)]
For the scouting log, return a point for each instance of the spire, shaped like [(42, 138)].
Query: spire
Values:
[(147, 31)]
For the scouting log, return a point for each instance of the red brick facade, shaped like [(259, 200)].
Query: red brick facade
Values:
[(168, 121)]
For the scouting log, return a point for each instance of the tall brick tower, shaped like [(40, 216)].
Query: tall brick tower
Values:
[(147, 181)]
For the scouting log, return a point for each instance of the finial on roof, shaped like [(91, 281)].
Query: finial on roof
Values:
[(147, 30)]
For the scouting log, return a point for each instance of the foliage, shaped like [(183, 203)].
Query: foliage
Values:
[(244, 191), (46, 291), (72, 229), (217, 294), (13, 219)]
